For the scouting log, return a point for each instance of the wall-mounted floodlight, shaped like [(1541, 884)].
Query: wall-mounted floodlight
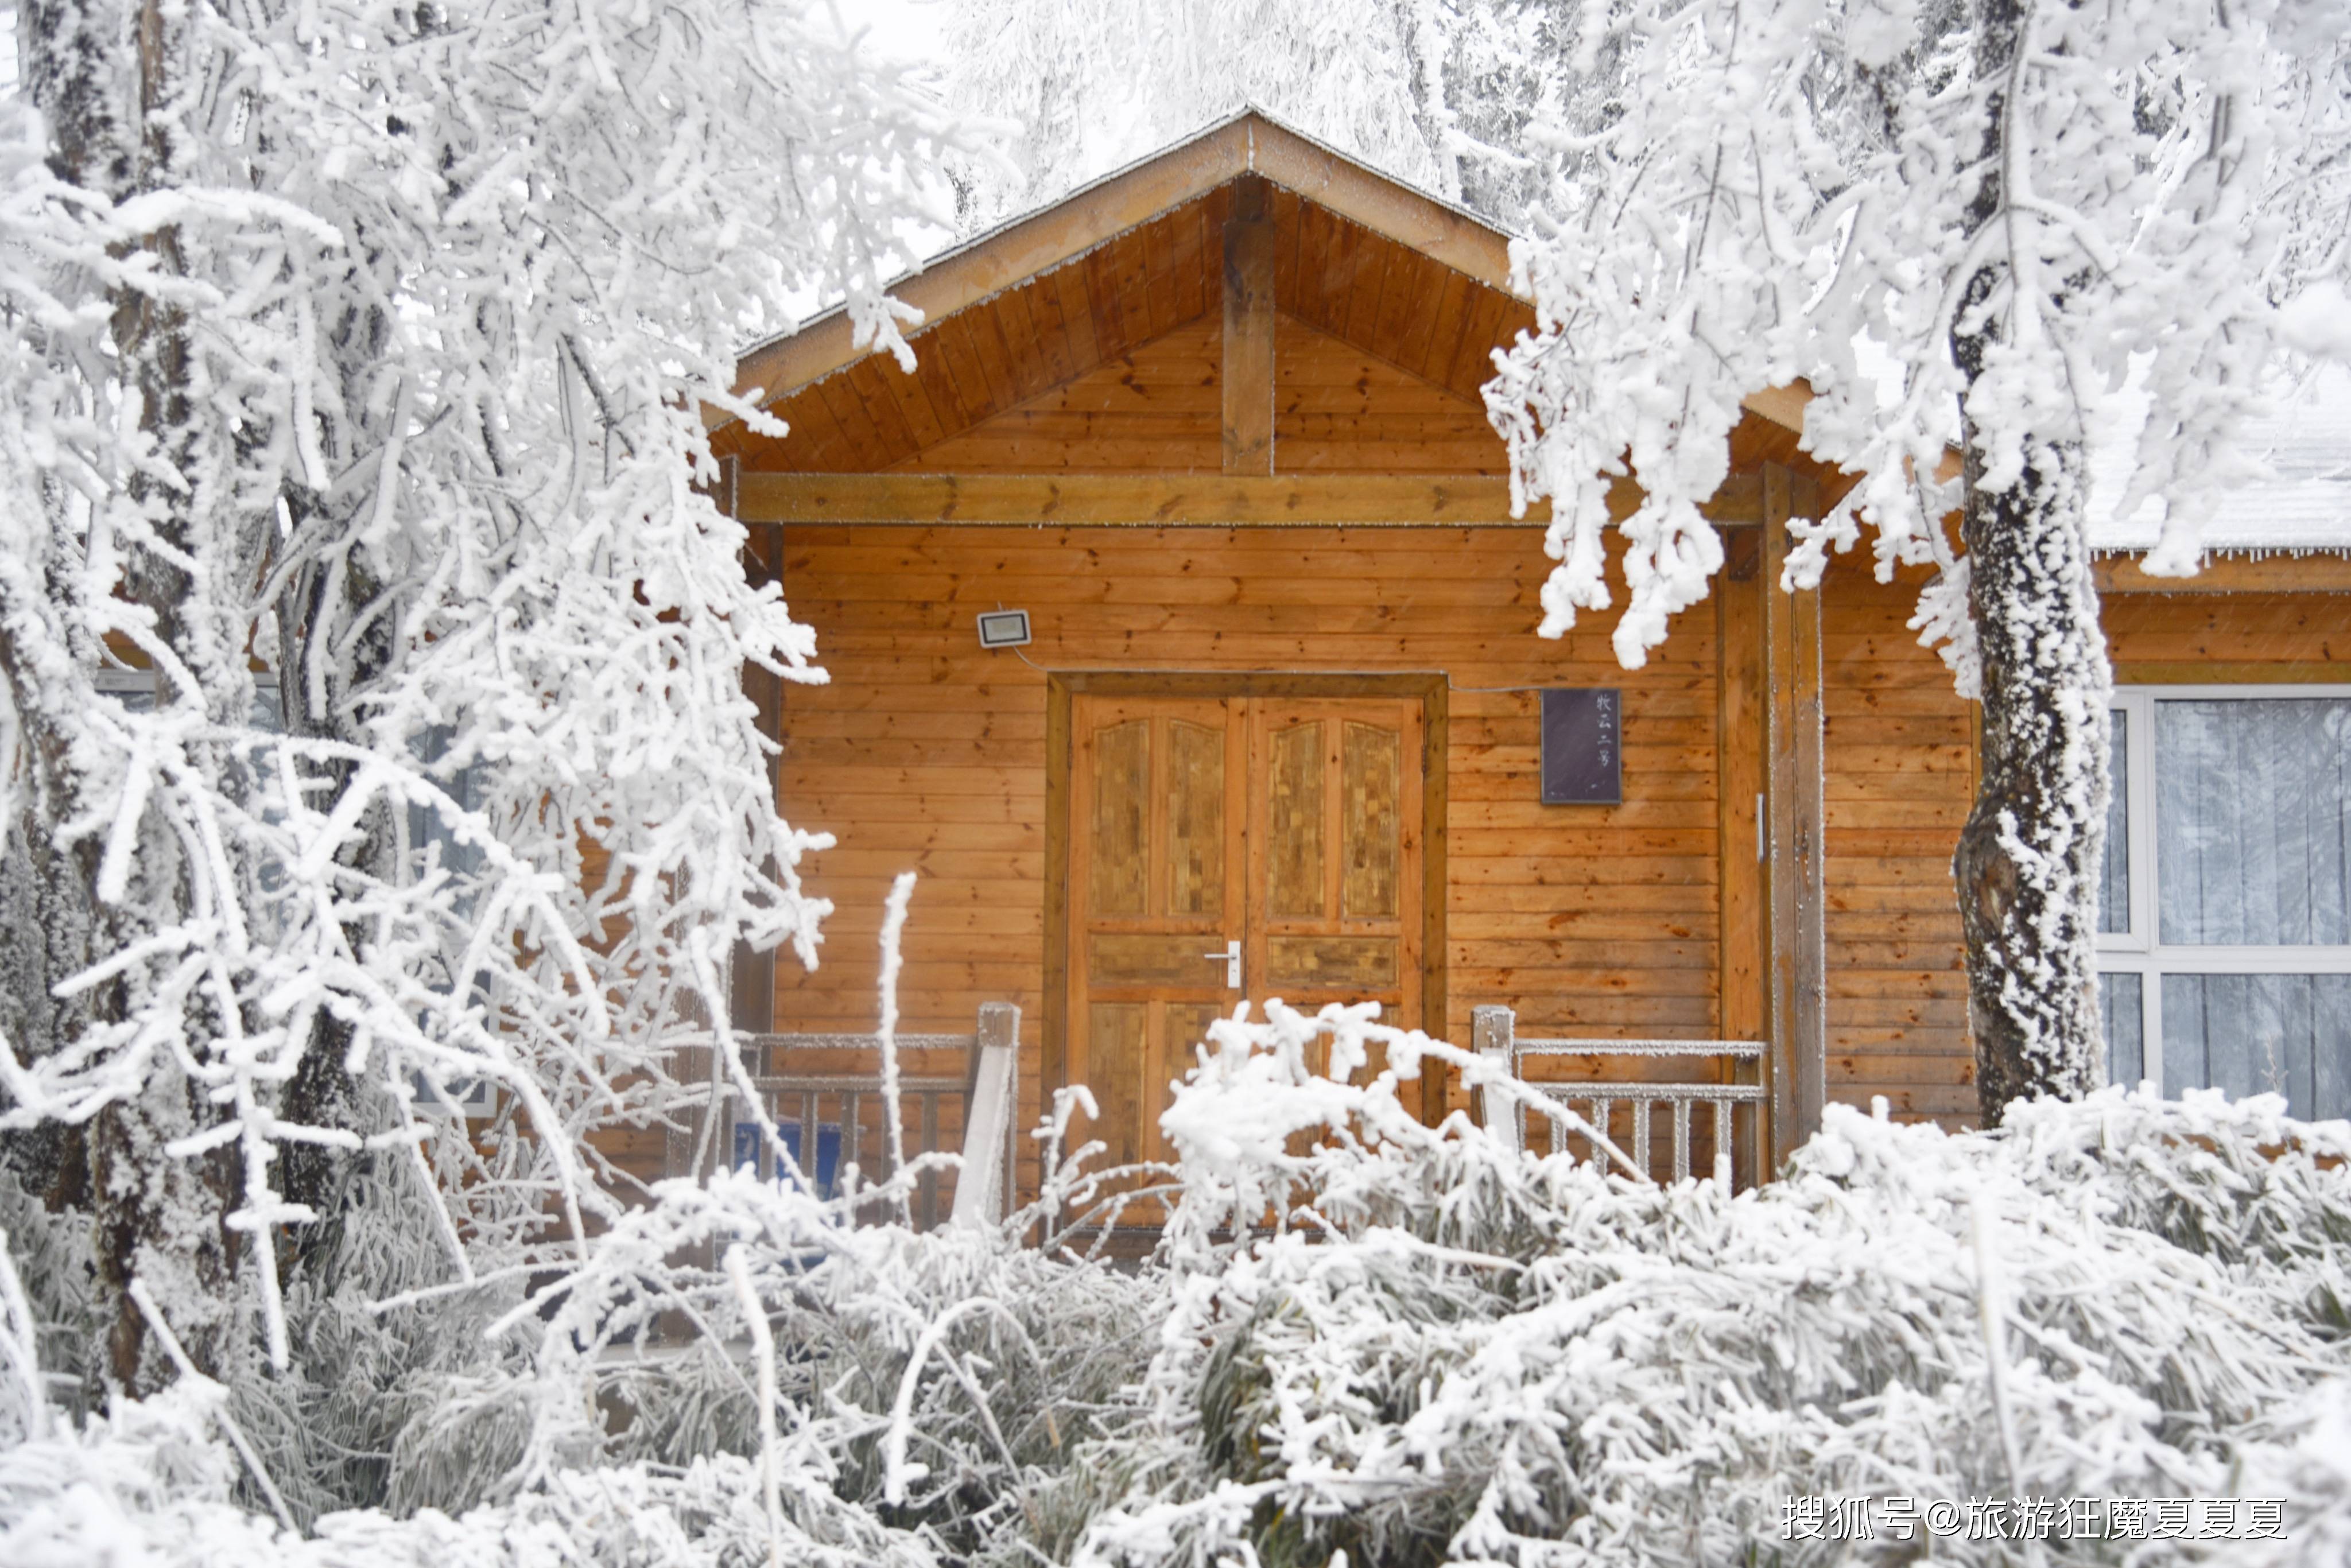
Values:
[(1004, 629)]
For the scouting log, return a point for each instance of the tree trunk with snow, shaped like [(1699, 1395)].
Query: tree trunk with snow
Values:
[(2028, 858), (106, 76)]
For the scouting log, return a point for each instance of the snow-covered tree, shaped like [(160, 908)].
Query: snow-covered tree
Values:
[(1092, 85), (1967, 223), (355, 361)]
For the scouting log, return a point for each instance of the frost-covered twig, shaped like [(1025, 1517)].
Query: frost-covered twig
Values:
[(893, 928), (214, 1395), (763, 1348)]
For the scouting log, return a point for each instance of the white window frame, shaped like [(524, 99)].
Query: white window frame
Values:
[(2141, 950)]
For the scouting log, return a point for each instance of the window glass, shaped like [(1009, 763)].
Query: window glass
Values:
[(2113, 879), (2261, 1034), (2250, 812), (2122, 1007), (429, 833)]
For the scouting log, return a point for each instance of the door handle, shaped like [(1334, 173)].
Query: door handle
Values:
[(1231, 959)]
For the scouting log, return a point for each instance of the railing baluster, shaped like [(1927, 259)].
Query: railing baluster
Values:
[(1737, 1064), (930, 1182), (809, 1125)]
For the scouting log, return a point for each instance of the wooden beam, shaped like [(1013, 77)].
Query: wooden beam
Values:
[(1794, 732), (1743, 1001), (1026, 500), (1331, 180), (1248, 373), (2231, 574)]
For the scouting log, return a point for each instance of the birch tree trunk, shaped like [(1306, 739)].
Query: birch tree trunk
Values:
[(2028, 858)]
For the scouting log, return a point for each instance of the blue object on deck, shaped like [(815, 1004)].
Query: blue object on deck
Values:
[(828, 1151)]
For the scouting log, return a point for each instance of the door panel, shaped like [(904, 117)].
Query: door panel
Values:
[(1289, 826), (1157, 784), (1122, 823), (1370, 775), (1196, 817), (1293, 814), (1356, 962), (1341, 774)]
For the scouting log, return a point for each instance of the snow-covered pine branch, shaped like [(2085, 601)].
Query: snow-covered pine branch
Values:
[(1966, 227)]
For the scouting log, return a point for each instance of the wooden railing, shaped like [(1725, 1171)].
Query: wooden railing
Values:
[(1722, 1075), (973, 1114)]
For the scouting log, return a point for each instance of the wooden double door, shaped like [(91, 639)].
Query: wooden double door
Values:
[(1224, 848)]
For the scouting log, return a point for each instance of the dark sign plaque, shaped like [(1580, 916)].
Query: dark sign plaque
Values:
[(1583, 746)]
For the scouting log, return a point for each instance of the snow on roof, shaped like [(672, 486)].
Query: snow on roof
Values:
[(2306, 505)]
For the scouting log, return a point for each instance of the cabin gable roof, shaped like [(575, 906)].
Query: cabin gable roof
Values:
[(1096, 214), (1085, 339)]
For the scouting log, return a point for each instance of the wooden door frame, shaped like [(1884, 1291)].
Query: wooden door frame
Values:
[(1061, 686)]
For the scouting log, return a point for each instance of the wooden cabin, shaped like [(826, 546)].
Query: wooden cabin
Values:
[(1213, 424)]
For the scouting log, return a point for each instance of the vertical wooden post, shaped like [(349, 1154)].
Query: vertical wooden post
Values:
[(752, 977), (1436, 793), (1794, 728), (1248, 330), (1492, 1031), (1743, 1004), (990, 1118)]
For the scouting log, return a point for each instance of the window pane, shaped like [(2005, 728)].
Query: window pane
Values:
[(2261, 1034), (2251, 806), (2114, 881), (2121, 1005)]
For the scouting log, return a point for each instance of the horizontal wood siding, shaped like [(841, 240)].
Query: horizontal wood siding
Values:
[(1152, 408), (1900, 780), (926, 753), (2226, 639), (1155, 408), (1340, 409)]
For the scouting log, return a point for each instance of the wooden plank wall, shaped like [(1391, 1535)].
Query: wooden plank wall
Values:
[(1339, 409), (2227, 639), (1155, 408), (926, 753), (1899, 781)]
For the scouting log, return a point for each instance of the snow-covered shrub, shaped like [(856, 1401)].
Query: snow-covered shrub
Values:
[(1365, 1336), (1476, 1355)]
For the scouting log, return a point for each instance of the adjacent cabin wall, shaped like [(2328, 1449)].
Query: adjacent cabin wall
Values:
[(1901, 778), (2229, 639), (1899, 781), (926, 753)]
